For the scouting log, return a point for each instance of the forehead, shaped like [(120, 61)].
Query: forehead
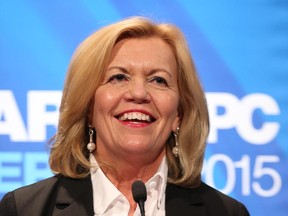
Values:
[(152, 50)]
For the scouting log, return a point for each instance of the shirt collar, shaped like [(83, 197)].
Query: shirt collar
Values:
[(158, 182), (104, 192)]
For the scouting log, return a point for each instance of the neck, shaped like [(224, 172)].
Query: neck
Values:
[(122, 173), (123, 170), (130, 166)]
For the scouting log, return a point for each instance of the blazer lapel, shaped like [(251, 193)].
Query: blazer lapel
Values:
[(74, 197), (183, 201), (200, 201)]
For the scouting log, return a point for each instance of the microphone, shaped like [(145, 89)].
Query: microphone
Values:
[(139, 193)]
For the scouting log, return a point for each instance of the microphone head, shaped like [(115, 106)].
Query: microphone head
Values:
[(139, 191)]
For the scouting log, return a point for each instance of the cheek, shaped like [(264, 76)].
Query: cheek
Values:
[(106, 101), (103, 102), (168, 105)]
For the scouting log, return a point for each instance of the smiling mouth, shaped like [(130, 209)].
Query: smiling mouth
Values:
[(136, 117)]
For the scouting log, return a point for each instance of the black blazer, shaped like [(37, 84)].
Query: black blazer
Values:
[(62, 196)]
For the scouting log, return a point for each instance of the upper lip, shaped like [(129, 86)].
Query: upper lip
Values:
[(139, 115)]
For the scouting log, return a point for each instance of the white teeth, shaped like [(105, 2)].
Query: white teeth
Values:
[(135, 116)]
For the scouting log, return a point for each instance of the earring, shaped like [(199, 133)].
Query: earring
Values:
[(91, 145), (175, 149)]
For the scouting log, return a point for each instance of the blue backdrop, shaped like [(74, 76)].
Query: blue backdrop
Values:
[(241, 53)]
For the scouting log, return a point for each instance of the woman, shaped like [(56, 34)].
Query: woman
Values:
[(133, 95)]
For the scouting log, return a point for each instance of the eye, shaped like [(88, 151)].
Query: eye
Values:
[(159, 81), (116, 78)]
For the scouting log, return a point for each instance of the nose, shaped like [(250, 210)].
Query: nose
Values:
[(137, 92)]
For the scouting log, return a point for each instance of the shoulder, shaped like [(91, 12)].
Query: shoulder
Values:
[(48, 196), (7, 205), (35, 189), (22, 198), (205, 198), (232, 206), (41, 184)]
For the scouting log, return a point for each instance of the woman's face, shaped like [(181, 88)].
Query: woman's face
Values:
[(135, 107)]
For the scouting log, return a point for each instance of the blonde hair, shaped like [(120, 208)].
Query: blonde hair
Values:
[(69, 155)]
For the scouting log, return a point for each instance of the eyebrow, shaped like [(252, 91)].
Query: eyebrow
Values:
[(160, 70), (124, 70)]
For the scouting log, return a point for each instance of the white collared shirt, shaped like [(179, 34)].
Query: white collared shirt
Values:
[(108, 200)]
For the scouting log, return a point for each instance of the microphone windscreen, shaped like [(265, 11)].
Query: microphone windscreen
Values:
[(139, 191)]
